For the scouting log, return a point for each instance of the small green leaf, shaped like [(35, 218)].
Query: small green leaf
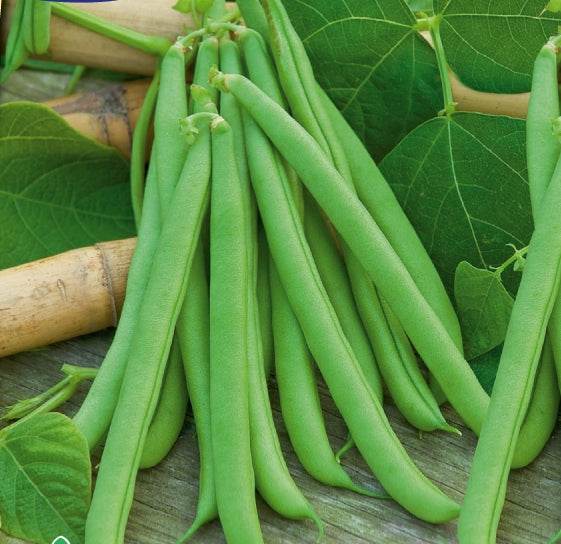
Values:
[(485, 367), (554, 6), (46, 480), (374, 65), (484, 308), (462, 181), (58, 189)]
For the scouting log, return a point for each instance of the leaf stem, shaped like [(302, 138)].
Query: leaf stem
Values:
[(153, 45), (434, 29), (516, 257)]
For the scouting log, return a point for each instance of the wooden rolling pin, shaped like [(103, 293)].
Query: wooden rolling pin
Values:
[(61, 297), (75, 45)]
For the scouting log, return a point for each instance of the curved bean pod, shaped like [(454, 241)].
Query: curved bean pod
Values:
[(365, 239), (541, 416), (169, 416), (299, 399), (360, 408), (513, 386), (398, 364)]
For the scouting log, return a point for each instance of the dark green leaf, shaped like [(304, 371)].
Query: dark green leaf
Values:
[(462, 182), (484, 307), (376, 68), (46, 480), (492, 45), (485, 367), (58, 189)]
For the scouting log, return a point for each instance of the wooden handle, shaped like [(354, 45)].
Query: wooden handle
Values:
[(53, 299)]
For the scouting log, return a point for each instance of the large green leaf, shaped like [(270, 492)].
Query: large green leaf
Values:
[(484, 307), (46, 480), (58, 189), (492, 45), (376, 68), (462, 182)]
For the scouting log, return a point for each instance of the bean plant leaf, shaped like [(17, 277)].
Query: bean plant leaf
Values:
[(381, 74), (462, 182), (485, 367), (484, 307), (58, 189), (492, 45), (46, 480)]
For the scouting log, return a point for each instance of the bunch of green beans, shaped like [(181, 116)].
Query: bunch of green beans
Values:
[(269, 241)]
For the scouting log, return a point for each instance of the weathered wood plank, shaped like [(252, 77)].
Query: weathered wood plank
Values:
[(166, 495)]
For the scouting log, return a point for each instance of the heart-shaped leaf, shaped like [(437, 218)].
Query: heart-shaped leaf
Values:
[(58, 189), (462, 182), (484, 307), (492, 45), (381, 74), (45, 479)]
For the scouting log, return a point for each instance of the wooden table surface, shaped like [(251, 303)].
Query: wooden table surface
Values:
[(165, 496)]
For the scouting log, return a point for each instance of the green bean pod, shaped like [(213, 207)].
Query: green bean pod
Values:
[(368, 243), (264, 302), (398, 364), (16, 50), (171, 107), (229, 372), (41, 24), (334, 276), (299, 399), (541, 417), (138, 146), (169, 416), (149, 349), (361, 410), (94, 416), (542, 146), (193, 328), (254, 17), (513, 386), (272, 478)]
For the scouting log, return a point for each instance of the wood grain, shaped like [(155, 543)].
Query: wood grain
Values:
[(165, 496), (64, 296)]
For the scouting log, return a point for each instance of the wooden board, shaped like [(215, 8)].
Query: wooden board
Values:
[(165, 497)]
